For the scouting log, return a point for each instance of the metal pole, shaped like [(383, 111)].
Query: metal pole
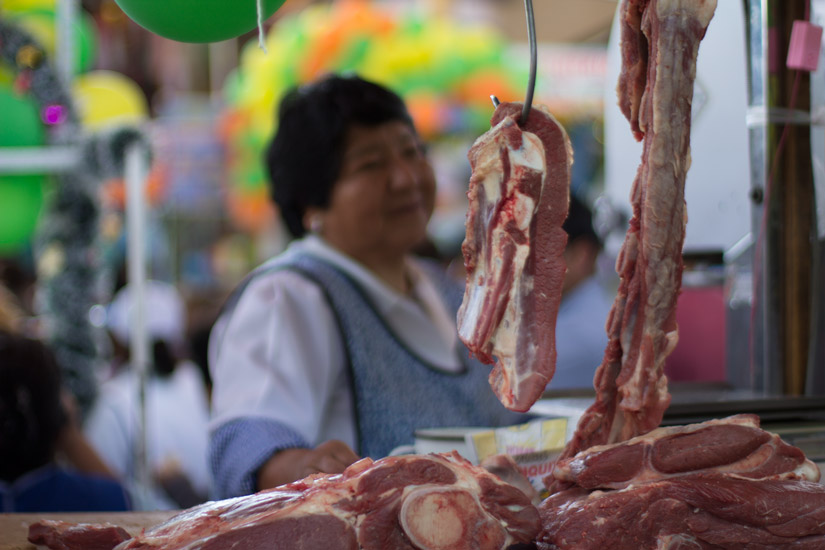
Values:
[(783, 197), (38, 160), (67, 15), (136, 172)]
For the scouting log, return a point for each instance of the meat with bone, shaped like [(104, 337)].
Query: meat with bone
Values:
[(513, 250), (734, 445), (427, 502), (698, 511), (631, 388)]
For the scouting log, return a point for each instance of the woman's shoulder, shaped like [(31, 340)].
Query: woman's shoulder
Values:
[(277, 279)]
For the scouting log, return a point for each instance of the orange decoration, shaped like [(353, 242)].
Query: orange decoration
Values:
[(355, 18), (251, 211), (113, 191), (478, 87)]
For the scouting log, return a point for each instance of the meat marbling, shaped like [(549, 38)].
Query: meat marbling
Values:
[(514, 250), (430, 502)]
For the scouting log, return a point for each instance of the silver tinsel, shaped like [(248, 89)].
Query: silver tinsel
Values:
[(67, 246)]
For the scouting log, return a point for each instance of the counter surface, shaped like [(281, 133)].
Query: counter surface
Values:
[(14, 528)]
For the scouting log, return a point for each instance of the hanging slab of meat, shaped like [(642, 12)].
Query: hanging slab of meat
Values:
[(734, 445), (699, 511), (513, 250), (430, 502), (660, 40)]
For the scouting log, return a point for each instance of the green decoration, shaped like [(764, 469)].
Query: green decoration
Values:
[(21, 198), (21, 125), (198, 20)]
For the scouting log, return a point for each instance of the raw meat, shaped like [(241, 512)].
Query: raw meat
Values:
[(634, 50), (506, 469), (699, 511), (731, 445), (631, 388), (62, 535), (513, 250), (427, 502)]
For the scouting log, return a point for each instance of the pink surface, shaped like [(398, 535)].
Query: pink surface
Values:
[(700, 353)]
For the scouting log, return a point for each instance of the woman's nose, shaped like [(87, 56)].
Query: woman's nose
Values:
[(405, 172)]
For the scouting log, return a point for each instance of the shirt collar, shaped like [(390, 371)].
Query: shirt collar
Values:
[(385, 297)]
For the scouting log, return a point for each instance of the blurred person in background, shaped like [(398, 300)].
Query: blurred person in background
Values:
[(46, 465), (11, 314), (346, 343), (581, 336), (177, 408)]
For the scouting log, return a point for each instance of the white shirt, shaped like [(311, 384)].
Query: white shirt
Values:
[(177, 416), (581, 337), (279, 353)]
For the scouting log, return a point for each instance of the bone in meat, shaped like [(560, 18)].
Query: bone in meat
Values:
[(432, 502)]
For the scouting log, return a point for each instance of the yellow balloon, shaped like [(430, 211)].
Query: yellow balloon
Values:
[(108, 98), (25, 5)]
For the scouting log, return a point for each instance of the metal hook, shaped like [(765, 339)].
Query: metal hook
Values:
[(531, 83), (531, 37)]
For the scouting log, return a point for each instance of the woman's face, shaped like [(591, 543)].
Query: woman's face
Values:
[(384, 195)]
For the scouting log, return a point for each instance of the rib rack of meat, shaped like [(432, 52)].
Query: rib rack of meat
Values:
[(432, 502), (513, 250)]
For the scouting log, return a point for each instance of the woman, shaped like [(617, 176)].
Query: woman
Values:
[(344, 344)]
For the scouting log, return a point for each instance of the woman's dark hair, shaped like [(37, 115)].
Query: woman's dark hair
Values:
[(579, 222), (31, 413), (304, 156)]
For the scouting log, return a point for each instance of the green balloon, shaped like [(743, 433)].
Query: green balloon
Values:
[(198, 20), (86, 33), (21, 198), (21, 125), (20, 195)]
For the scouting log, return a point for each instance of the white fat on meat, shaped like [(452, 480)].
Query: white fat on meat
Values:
[(531, 156)]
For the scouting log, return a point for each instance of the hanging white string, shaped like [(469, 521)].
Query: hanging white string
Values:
[(261, 43)]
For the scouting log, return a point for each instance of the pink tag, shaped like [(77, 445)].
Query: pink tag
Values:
[(803, 52)]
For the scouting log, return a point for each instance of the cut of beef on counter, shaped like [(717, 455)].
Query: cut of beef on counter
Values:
[(660, 40), (427, 502), (734, 445), (696, 511), (513, 250), (63, 535)]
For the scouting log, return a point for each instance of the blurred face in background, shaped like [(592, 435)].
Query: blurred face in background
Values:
[(383, 197)]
